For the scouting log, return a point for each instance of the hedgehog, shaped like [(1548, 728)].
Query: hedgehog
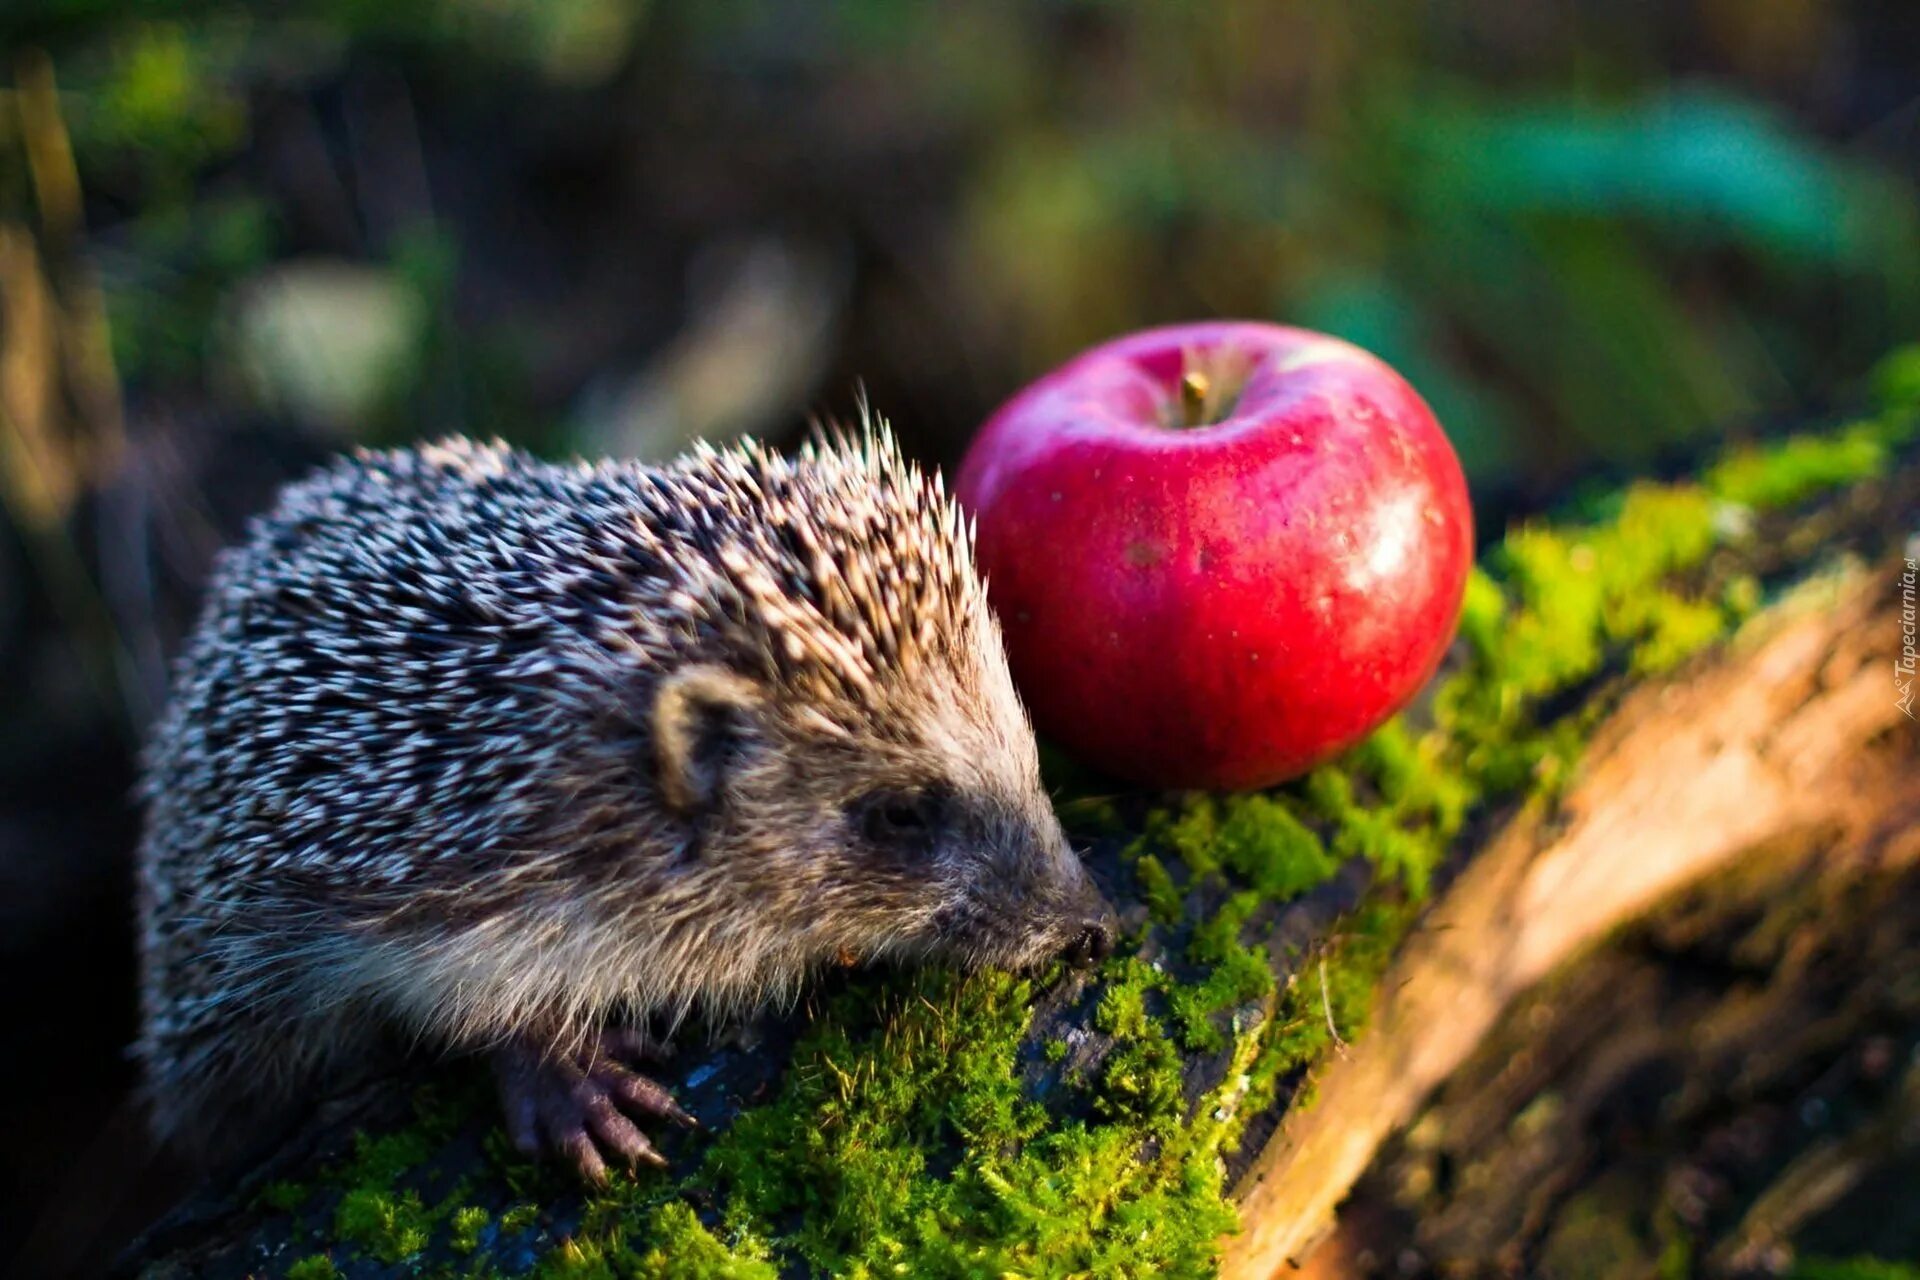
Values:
[(475, 753)]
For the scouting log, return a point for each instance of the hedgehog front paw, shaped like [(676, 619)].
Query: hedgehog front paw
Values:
[(579, 1103)]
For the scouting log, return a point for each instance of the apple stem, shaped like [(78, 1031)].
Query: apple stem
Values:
[(1194, 389)]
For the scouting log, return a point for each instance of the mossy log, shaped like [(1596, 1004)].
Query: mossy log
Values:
[(1729, 1086), (1641, 695), (1791, 736)]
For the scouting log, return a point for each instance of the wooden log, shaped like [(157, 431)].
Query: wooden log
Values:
[(1727, 1086), (1782, 735)]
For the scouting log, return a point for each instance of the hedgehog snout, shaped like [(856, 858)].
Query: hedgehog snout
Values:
[(1032, 917), (1093, 936), (1085, 926), (1092, 943)]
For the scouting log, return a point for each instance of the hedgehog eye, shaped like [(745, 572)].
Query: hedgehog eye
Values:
[(901, 818)]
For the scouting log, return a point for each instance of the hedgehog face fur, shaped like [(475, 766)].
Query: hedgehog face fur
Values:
[(858, 754), (498, 750), (923, 833)]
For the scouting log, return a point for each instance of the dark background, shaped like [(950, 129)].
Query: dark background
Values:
[(1600, 237)]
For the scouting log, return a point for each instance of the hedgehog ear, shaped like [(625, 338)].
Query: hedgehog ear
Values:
[(700, 715)]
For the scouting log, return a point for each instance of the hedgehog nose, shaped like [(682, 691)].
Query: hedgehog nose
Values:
[(1091, 944)]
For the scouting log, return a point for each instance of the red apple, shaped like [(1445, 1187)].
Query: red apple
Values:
[(1221, 552)]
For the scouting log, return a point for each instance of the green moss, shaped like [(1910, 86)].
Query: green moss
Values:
[(315, 1266), (1661, 529), (1669, 629), (1404, 837), (1801, 466), (1406, 777), (1330, 995), (1578, 593), (1483, 610), (1191, 831), (573, 1259), (365, 1201), (1218, 939), (928, 1066), (1329, 790), (1269, 849), (872, 1103), (684, 1249), (1242, 976), (1157, 889), (1399, 854), (1140, 1084), (380, 1160), (1123, 1007), (519, 1217), (1553, 637), (464, 1228), (371, 1205), (1254, 837), (388, 1226)]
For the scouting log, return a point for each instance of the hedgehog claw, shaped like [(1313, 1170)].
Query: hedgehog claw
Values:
[(580, 1104)]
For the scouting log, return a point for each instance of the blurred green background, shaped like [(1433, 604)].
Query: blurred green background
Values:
[(1599, 237), (1587, 232)]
